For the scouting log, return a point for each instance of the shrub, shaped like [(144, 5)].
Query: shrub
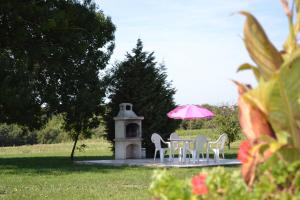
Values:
[(222, 184), (49, 136), (165, 186), (15, 135), (53, 131), (99, 132)]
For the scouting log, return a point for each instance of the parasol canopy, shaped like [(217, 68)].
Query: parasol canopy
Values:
[(189, 112)]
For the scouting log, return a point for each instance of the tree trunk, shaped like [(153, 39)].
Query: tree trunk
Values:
[(228, 144), (74, 145)]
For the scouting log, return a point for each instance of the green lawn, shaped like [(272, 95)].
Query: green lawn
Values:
[(46, 172), (210, 133)]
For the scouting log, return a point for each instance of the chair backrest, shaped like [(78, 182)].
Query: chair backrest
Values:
[(174, 135), (221, 141), (200, 141), (156, 139)]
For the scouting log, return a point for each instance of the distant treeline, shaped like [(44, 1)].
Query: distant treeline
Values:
[(52, 132), (225, 120)]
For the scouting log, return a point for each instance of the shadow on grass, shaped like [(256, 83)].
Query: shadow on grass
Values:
[(63, 164), (53, 165)]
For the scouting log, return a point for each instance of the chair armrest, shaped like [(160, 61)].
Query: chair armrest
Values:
[(162, 140), (211, 144), (168, 143), (214, 142)]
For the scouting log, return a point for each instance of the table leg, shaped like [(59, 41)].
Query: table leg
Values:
[(194, 153), (207, 153), (171, 153)]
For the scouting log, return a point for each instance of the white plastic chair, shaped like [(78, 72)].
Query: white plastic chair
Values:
[(156, 139), (217, 147), (175, 145), (200, 142)]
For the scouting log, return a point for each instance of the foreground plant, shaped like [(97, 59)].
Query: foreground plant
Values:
[(270, 113), (269, 116)]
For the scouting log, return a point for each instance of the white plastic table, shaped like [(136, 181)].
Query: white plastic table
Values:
[(185, 142)]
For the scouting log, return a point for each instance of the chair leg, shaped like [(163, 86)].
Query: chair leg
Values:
[(180, 155), (170, 155), (207, 154), (194, 156), (216, 155), (161, 152)]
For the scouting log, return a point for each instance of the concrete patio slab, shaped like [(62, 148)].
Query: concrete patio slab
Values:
[(157, 163)]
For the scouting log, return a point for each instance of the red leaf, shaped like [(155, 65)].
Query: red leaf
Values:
[(244, 151), (253, 122)]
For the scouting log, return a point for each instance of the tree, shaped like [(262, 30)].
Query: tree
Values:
[(226, 121), (50, 57), (141, 81)]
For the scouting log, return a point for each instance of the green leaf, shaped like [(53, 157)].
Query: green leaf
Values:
[(290, 155), (247, 66), (284, 110), (278, 100), (291, 42), (261, 50)]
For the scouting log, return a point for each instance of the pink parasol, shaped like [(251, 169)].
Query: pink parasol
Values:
[(190, 112)]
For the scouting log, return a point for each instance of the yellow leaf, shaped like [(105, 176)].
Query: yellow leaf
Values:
[(247, 66), (261, 50), (260, 96)]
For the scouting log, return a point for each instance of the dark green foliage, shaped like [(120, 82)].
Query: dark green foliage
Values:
[(99, 132), (53, 131), (140, 81), (14, 135), (51, 55), (49, 136)]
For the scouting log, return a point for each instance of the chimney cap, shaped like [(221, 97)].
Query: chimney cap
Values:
[(126, 112)]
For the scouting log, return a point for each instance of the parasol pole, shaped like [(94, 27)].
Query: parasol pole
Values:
[(190, 128)]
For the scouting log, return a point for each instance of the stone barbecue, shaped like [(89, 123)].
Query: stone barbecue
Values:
[(128, 133)]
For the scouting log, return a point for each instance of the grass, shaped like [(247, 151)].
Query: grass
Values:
[(210, 133), (46, 172)]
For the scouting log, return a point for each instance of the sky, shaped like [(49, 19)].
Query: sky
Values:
[(199, 41)]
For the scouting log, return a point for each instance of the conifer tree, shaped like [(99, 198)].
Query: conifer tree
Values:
[(141, 81)]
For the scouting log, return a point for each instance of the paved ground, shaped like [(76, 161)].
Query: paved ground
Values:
[(157, 163)]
